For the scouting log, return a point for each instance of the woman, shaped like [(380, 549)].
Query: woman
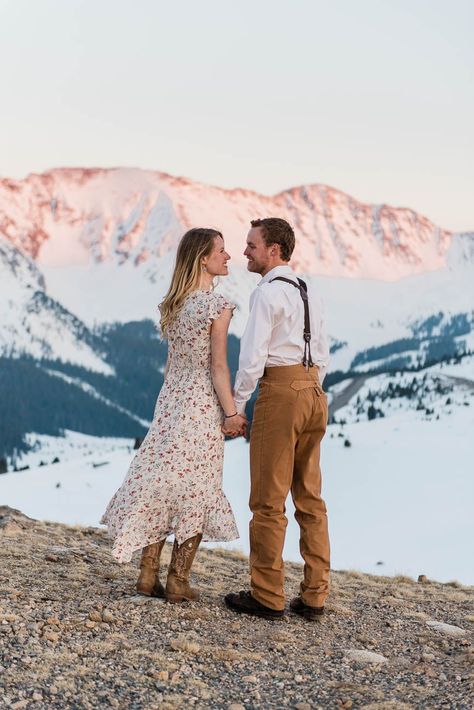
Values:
[(174, 484)]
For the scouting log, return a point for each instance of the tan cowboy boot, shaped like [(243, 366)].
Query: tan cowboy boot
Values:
[(148, 582), (177, 583)]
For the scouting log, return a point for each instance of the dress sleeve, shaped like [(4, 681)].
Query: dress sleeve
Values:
[(217, 304)]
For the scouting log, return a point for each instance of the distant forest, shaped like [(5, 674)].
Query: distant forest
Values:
[(35, 399)]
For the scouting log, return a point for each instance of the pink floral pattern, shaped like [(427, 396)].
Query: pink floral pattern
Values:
[(174, 483)]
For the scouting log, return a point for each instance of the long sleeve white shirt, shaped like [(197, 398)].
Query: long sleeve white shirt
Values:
[(274, 332)]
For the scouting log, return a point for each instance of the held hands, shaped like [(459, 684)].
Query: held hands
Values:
[(235, 426)]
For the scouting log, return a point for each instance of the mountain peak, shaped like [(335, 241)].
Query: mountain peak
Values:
[(69, 216)]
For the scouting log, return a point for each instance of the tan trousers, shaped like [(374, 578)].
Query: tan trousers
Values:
[(289, 423)]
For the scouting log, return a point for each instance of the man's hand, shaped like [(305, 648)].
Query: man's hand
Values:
[(235, 426)]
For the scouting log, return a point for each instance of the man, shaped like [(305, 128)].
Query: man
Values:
[(286, 349)]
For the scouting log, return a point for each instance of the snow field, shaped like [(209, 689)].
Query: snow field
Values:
[(402, 494)]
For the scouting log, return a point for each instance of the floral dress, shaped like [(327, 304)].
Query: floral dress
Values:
[(174, 483)]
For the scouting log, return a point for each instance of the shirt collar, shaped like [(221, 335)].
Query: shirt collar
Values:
[(282, 270)]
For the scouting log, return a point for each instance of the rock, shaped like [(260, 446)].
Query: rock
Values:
[(53, 621), (12, 521), (37, 696), (140, 599), (447, 629), (302, 706), (95, 615), (237, 706), (423, 579), (387, 705), (20, 704), (34, 627), (107, 616), (11, 617), (363, 656), (50, 635), (163, 675), (250, 679)]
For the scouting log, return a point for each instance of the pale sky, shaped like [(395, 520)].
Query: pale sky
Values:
[(374, 97)]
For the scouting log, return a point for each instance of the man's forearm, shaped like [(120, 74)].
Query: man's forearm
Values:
[(253, 351), (241, 396), (246, 381)]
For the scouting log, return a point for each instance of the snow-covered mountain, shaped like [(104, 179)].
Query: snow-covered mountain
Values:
[(85, 257), (105, 242), (72, 217), (34, 323), (80, 248)]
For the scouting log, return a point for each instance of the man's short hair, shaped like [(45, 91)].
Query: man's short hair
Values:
[(277, 231)]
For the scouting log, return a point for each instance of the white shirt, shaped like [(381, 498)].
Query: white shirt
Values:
[(274, 332)]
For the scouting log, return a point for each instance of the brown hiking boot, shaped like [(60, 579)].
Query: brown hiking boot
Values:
[(177, 584), (148, 582)]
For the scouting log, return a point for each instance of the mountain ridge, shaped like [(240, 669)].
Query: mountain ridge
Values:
[(83, 249), (141, 214), (239, 189)]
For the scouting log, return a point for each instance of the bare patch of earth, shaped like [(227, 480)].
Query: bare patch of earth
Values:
[(73, 634)]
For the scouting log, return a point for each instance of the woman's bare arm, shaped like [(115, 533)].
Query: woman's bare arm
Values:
[(219, 366)]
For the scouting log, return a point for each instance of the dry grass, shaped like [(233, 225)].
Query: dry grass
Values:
[(185, 644), (403, 579), (228, 554)]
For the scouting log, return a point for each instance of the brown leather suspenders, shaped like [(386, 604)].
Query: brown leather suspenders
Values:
[(303, 289)]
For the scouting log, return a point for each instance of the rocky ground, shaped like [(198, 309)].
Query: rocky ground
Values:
[(73, 634)]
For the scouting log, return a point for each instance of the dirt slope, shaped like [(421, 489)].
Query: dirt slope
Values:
[(73, 634)]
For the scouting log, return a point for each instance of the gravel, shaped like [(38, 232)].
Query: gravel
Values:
[(74, 634)]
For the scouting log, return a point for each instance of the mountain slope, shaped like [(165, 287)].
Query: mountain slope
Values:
[(105, 242), (72, 216), (46, 396), (81, 249), (36, 324)]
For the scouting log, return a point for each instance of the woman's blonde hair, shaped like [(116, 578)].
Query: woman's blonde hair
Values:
[(194, 245)]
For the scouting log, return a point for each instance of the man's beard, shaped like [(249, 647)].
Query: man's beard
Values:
[(255, 267)]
